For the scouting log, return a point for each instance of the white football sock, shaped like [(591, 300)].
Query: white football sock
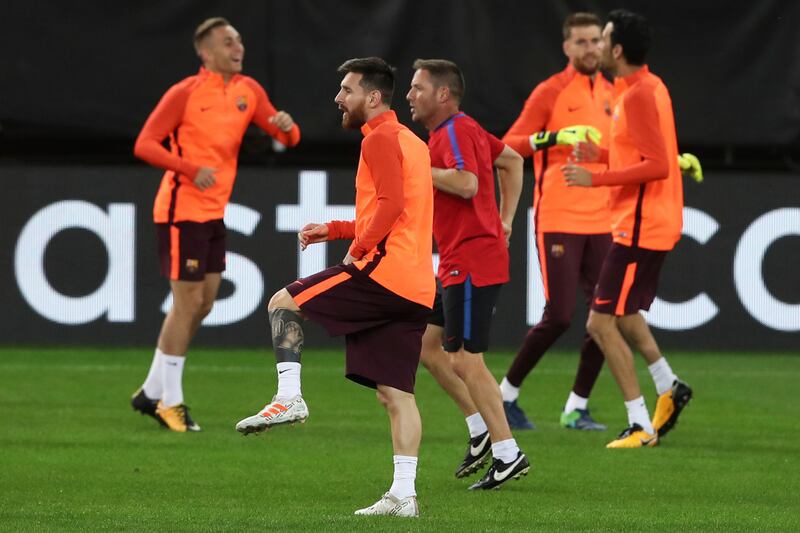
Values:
[(575, 402), (405, 472), (476, 425), (663, 376), (505, 450), (288, 380), (509, 391), (153, 385), (638, 414), (172, 372)]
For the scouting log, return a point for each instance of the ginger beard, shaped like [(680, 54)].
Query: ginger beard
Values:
[(352, 119)]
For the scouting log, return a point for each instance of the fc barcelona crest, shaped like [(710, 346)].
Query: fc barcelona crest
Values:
[(557, 250), (192, 265), (241, 103)]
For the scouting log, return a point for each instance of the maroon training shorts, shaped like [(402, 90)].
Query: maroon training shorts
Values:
[(383, 331), (189, 250), (628, 280)]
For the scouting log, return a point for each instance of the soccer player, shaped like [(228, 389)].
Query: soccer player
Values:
[(646, 206), (382, 293), (572, 227), (204, 117), (472, 238)]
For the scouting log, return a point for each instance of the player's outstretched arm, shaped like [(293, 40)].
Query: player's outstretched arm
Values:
[(278, 124)]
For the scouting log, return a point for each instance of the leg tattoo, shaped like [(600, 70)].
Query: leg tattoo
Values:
[(287, 335)]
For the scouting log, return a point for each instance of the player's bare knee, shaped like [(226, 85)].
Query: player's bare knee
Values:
[(206, 308), (188, 304), (463, 363), (280, 299), (382, 399), (598, 326), (433, 357)]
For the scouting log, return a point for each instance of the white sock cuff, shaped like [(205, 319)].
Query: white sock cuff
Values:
[(638, 414), (575, 402), (174, 360), (289, 384), (658, 364), (636, 402), (508, 391), (662, 375), (505, 450), (405, 467), (172, 372), (476, 425), (153, 385)]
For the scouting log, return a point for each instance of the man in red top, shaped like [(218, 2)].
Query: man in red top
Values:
[(381, 294), (204, 117), (472, 238), (646, 207), (573, 228)]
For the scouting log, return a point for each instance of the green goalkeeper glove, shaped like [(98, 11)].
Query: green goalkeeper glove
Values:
[(690, 166), (570, 136)]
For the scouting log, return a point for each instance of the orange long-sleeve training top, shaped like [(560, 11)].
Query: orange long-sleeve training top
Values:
[(567, 98), (647, 188), (204, 119), (392, 232)]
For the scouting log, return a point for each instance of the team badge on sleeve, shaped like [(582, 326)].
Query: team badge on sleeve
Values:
[(241, 103)]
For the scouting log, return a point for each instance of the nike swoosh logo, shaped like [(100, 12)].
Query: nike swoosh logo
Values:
[(475, 450), (645, 442), (573, 109), (599, 301), (172, 364), (282, 371), (202, 109), (500, 476)]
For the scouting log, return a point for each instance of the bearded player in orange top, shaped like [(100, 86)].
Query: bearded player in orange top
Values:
[(381, 295), (646, 207), (205, 117), (572, 227)]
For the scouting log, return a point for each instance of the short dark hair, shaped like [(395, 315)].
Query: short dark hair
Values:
[(205, 28), (578, 20), (444, 72), (377, 75), (633, 33)]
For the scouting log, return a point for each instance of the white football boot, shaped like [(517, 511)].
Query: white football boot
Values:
[(278, 411), (391, 506)]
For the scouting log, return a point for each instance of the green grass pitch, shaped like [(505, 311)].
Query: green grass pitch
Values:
[(73, 456)]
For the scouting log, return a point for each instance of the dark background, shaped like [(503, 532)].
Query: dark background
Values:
[(80, 78)]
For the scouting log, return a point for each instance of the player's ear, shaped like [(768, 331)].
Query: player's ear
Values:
[(374, 98), (443, 93)]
